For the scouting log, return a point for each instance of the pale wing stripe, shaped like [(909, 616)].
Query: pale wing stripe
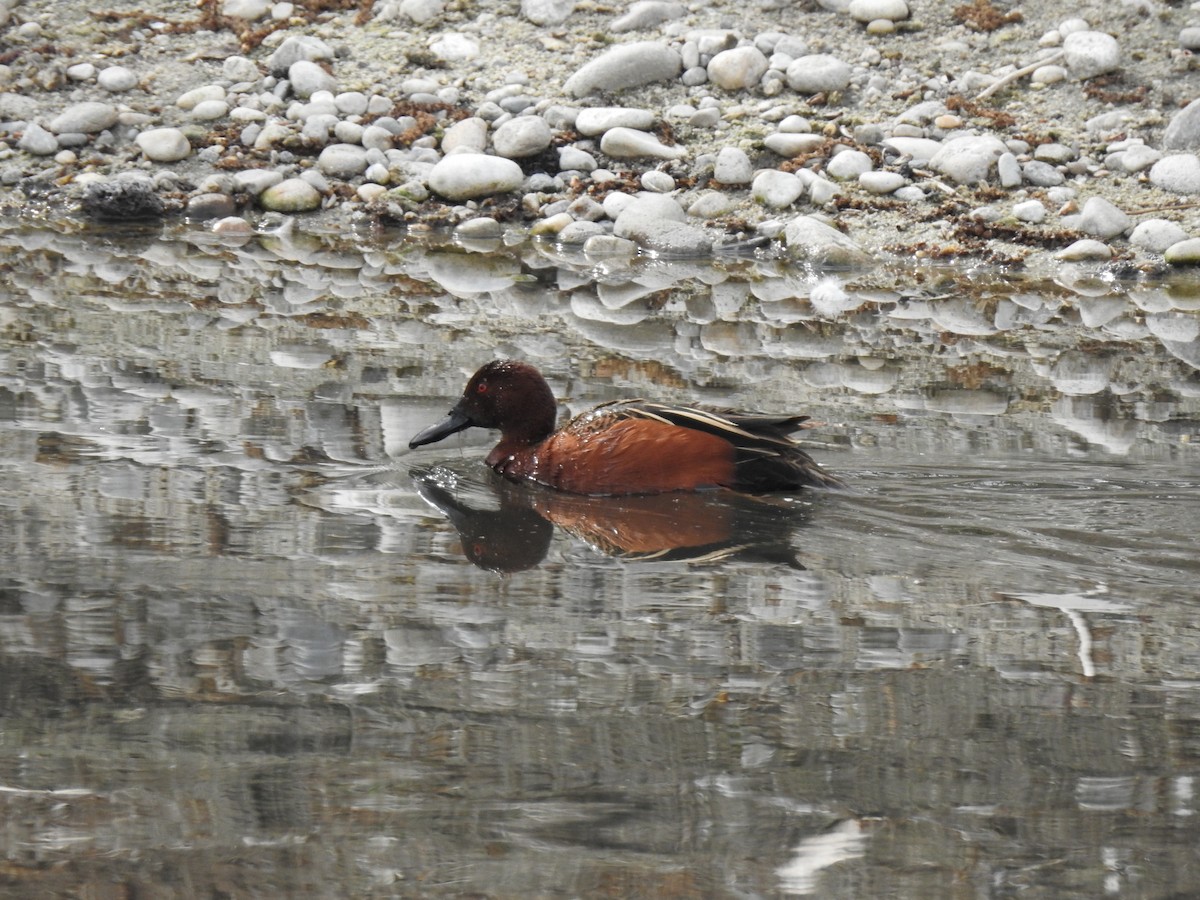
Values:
[(720, 423)]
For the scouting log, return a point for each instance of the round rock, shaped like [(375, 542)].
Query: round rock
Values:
[(1156, 235), (599, 119), (659, 223), (968, 159), (737, 69), (881, 182), (1183, 132), (116, 79), (290, 195), (811, 240), (1178, 173), (464, 176), (775, 189), (818, 72), (626, 66), (164, 144), (733, 166), (1091, 53), (307, 77), (547, 12), (343, 160), (627, 143), (791, 144), (848, 165), (37, 141), (1183, 253), (1103, 219), (866, 11), (84, 118), (1085, 250), (521, 137)]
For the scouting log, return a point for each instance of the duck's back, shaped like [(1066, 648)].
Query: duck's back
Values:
[(640, 447)]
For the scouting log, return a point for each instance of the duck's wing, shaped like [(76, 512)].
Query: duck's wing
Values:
[(748, 429)]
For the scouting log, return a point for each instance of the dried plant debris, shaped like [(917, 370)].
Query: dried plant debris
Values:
[(981, 15)]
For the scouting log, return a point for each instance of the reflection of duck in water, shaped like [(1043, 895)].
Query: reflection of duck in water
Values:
[(679, 527), (627, 447)]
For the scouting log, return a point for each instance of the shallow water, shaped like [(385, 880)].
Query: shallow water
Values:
[(252, 645)]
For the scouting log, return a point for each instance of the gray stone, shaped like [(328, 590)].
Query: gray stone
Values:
[(547, 12), (810, 240), (733, 166), (710, 205), (658, 223), (968, 159), (240, 69), (37, 141), (881, 182), (1178, 173), (574, 159), (1138, 158), (818, 72), (296, 48), (164, 144), (792, 144), (919, 150), (1084, 251), (1103, 219), (1091, 53), (848, 165), (579, 232), (1183, 132), (599, 119), (646, 14), (88, 117), (480, 228), (291, 195), (1008, 170), (208, 110), (1183, 253), (1031, 211), (307, 77), (626, 143), (737, 69), (188, 100), (463, 176), (342, 160), (210, 206), (1156, 235), (1189, 38), (1041, 174), (775, 189), (117, 79), (422, 11), (522, 137), (873, 10), (626, 66), (658, 182), (467, 134), (17, 107)]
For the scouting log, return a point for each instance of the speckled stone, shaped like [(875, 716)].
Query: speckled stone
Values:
[(291, 195)]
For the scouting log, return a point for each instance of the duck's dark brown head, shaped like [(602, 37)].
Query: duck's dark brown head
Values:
[(506, 394)]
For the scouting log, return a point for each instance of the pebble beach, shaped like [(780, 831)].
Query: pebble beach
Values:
[(832, 133)]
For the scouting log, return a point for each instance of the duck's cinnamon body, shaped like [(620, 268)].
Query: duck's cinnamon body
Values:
[(626, 447)]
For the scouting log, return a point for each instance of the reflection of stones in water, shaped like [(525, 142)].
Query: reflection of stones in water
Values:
[(279, 800), (1092, 419)]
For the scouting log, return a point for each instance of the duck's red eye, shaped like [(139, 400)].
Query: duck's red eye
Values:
[(481, 388)]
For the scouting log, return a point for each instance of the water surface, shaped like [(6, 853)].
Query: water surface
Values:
[(251, 645)]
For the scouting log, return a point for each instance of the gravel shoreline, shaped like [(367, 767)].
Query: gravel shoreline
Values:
[(833, 133)]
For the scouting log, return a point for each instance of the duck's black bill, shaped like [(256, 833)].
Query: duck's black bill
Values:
[(455, 422)]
